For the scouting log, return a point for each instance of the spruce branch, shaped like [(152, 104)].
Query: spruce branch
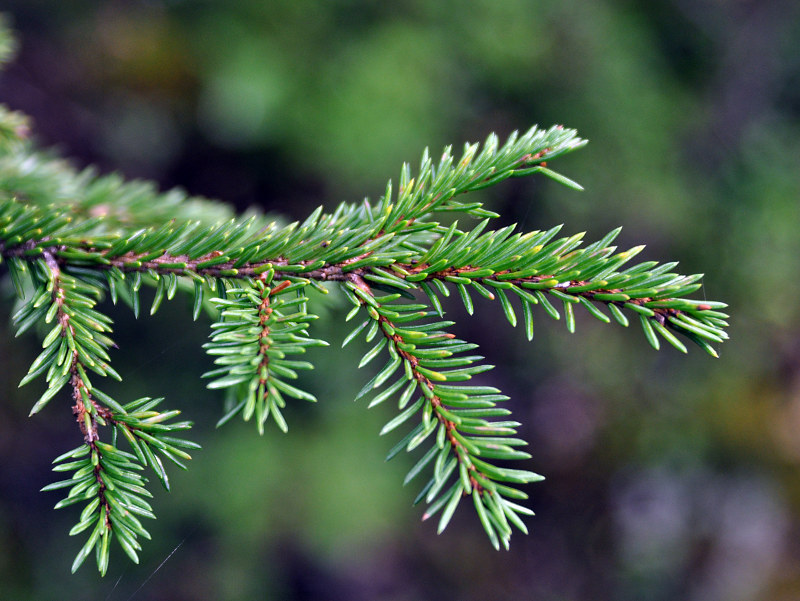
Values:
[(105, 478), (432, 362), (251, 341), (68, 239)]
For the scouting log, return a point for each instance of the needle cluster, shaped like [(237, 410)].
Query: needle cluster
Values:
[(69, 239)]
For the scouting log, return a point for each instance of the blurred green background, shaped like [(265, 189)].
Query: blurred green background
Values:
[(668, 476)]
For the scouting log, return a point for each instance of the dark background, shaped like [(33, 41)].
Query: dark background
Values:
[(668, 476)]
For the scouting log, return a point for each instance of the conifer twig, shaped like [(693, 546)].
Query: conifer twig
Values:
[(70, 239)]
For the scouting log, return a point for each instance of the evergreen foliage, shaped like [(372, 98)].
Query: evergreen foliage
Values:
[(69, 239)]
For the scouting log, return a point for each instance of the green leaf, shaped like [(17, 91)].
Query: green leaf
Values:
[(507, 308), (618, 315), (89, 545), (435, 302), (506, 474), (484, 518), (465, 298), (561, 179), (355, 332), (293, 391), (594, 311), (197, 306), (420, 465), (455, 497), (395, 450), (402, 417), (548, 307), (569, 315), (372, 353), (387, 371), (648, 332), (387, 393), (669, 336), (55, 386), (423, 435)]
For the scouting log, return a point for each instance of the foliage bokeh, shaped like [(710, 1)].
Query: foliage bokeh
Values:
[(668, 477)]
